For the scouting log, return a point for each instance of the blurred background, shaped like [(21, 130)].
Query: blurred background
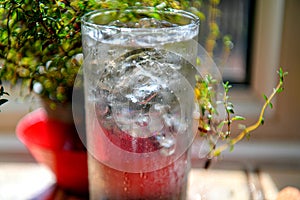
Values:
[(265, 36)]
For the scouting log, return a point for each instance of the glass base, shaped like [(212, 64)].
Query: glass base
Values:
[(169, 183)]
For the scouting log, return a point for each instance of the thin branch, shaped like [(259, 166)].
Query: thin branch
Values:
[(251, 128)]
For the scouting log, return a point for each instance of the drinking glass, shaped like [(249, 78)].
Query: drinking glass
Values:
[(141, 117)]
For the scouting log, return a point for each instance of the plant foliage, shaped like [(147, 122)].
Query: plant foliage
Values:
[(212, 128), (40, 41)]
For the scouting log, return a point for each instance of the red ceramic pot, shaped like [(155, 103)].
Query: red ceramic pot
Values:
[(54, 143)]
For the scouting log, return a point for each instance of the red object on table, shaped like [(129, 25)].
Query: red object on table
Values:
[(52, 143)]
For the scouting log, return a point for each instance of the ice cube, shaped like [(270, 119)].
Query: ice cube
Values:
[(155, 124), (140, 96), (167, 143)]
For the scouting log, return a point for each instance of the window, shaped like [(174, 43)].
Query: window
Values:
[(234, 20)]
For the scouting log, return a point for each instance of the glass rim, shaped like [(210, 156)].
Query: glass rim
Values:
[(194, 20)]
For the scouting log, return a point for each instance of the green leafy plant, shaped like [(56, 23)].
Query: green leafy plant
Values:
[(212, 128), (41, 41)]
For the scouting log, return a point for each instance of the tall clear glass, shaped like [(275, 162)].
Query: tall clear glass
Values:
[(139, 80)]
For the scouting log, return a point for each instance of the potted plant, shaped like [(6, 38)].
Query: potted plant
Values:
[(41, 48)]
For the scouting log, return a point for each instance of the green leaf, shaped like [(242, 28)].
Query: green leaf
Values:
[(280, 90), (62, 5), (221, 124), (2, 101), (230, 104), (238, 118), (226, 86), (280, 72), (271, 105), (262, 121), (230, 109), (265, 97)]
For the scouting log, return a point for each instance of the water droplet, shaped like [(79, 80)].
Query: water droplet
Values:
[(143, 175), (126, 182)]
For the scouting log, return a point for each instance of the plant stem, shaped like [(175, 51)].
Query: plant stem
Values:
[(248, 129)]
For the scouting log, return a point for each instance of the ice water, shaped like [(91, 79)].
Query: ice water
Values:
[(139, 84)]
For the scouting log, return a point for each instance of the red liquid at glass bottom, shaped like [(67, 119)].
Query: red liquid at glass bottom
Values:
[(168, 183)]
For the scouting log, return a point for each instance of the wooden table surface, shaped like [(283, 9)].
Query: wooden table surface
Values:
[(31, 181)]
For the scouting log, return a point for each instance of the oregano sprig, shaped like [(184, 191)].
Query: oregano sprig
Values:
[(211, 127), (246, 130)]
